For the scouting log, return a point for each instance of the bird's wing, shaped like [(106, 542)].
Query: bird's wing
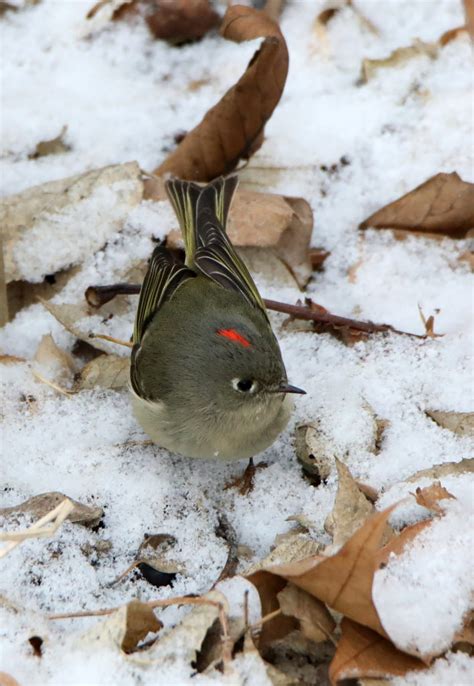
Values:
[(163, 278), (215, 255)]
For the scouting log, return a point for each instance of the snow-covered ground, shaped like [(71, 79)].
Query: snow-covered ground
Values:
[(123, 96)]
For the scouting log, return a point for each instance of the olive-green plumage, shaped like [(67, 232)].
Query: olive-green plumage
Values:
[(207, 375)]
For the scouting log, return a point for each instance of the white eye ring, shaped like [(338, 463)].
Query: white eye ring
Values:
[(237, 386)]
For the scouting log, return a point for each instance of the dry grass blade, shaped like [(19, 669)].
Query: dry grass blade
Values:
[(43, 528), (233, 129)]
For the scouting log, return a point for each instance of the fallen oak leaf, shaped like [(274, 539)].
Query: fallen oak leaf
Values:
[(361, 652), (39, 505), (178, 21), (105, 371), (61, 213), (351, 507), (440, 471), (55, 146), (71, 316), (461, 423), (444, 204), (430, 496), (344, 580), (140, 621), (57, 362), (315, 621), (229, 130), (399, 56), (124, 628)]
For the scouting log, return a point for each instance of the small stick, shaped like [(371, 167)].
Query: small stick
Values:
[(178, 600), (99, 295)]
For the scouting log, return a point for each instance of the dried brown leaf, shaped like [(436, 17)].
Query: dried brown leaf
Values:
[(344, 580), (140, 621), (268, 587), (71, 317), (397, 57), (315, 621), (31, 220), (39, 505), (398, 543), (178, 21), (444, 205), (461, 423), (105, 371), (4, 309), (440, 471), (430, 496), (469, 12), (363, 653), (229, 130), (7, 679), (58, 363), (315, 452), (351, 507), (190, 633), (55, 146)]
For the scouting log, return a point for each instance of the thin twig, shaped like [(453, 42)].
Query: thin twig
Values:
[(99, 295)]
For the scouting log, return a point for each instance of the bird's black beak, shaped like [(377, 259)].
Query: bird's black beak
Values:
[(288, 388)]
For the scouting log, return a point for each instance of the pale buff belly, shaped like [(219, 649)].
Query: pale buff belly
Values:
[(227, 438)]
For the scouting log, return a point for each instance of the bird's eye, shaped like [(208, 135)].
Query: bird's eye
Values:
[(244, 385)]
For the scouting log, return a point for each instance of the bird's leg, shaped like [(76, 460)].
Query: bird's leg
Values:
[(245, 483)]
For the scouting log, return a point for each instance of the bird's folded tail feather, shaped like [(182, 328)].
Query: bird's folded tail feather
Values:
[(196, 205)]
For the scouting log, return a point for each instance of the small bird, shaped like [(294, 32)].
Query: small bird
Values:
[(207, 375)]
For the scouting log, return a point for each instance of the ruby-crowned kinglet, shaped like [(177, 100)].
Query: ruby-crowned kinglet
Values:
[(207, 375)]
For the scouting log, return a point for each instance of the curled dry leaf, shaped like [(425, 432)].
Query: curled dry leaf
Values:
[(60, 213), (344, 580), (461, 423), (315, 621), (362, 652), (351, 507), (153, 560), (178, 21), (397, 57), (74, 319), (39, 505), (140, 621), (105, 371), (58, 363), (261, 220), (7, 679), (430, 496), (314, 452), (4, 309), (233, 128), (440, 471), (55, 146), (187, 637), (443, 205), (123, 629)]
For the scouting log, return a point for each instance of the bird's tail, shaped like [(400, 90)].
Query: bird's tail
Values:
[(195, 206)]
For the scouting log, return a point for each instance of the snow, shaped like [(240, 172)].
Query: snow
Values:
[(123, 96)]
